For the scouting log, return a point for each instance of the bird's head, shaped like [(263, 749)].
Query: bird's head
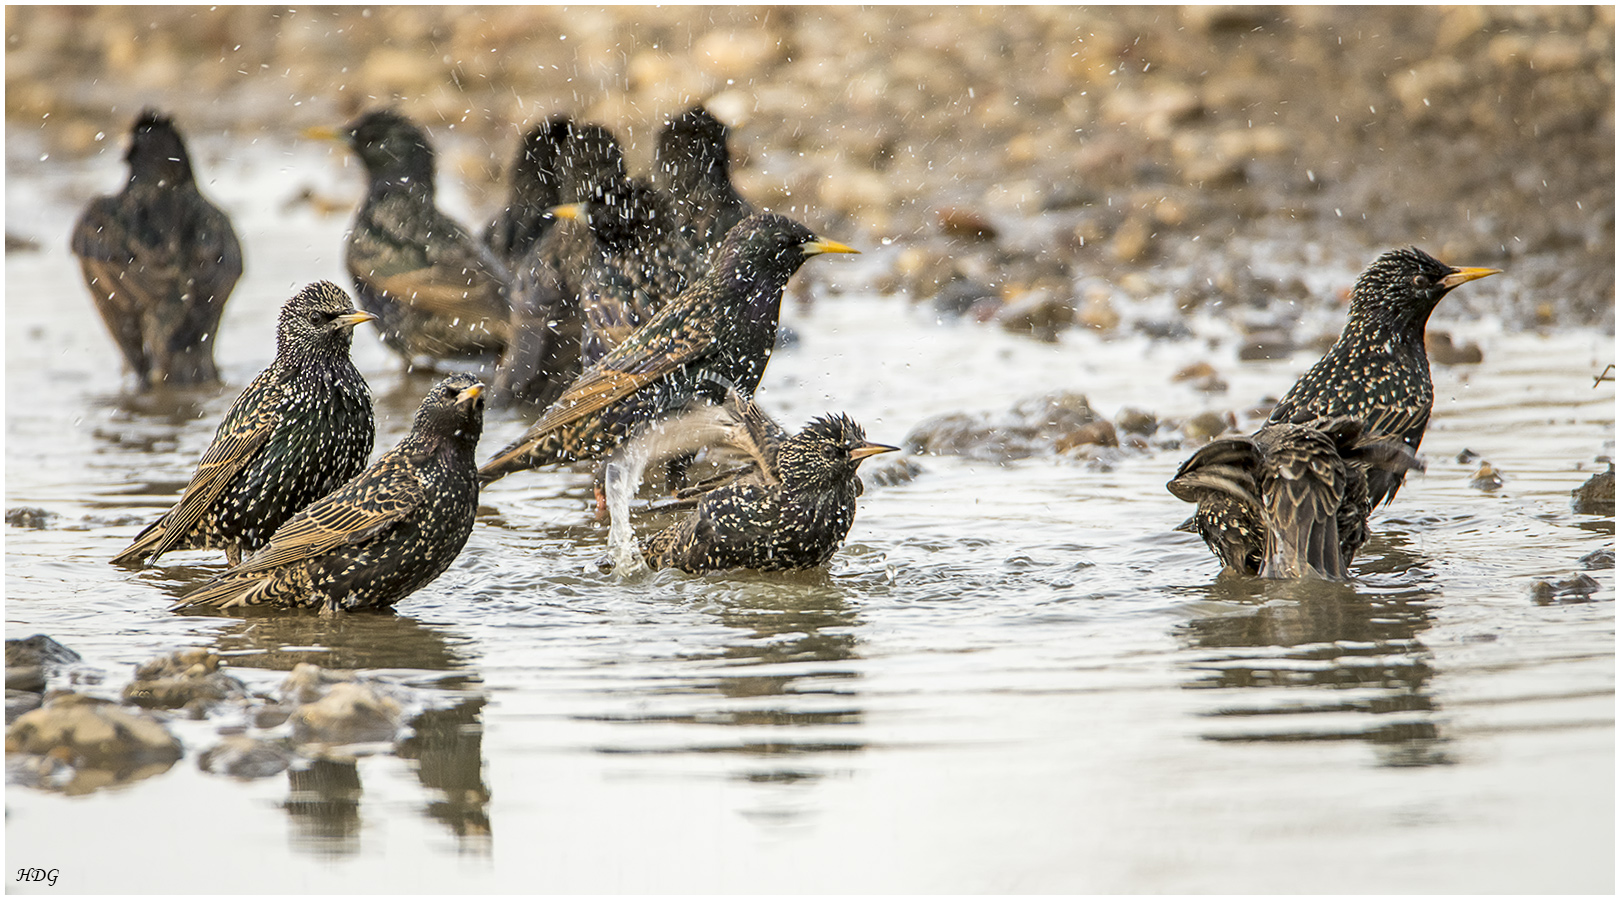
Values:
[(156, 154), (320, 318), (827, 452), (1406, 284), (453, 409)]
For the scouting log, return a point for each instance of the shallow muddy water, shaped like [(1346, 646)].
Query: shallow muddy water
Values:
[(1013, 678)]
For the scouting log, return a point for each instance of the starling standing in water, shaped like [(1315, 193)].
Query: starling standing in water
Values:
[(1378, 371), (1291, 501), (719, 332), (160, 260), (791, 512), (302, 427), (546, 326), (386, 533), (536, 188), (693, 164), (435, 290)]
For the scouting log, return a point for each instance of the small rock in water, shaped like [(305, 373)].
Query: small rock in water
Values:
[(1486, 478), (1598, 559), (1596, 497), (30, 660), (1203, 377), (887, 472), (1030, 428), (184, 678), (960, 295), (88, 732), (1467, 456), (1134, 421), (1037, 313), (1206, 426), (966, 224), (19, 702), (239, 756), (1577, 588), (1443, 352), (1100, 433), (1266, 345), (350, 713), (28, 517)]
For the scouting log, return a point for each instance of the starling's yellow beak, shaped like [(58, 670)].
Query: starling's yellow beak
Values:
[(822, 245), (569, 211), (324, 133), (469, 394), (869, 449), (1465, 275), (355, 318)]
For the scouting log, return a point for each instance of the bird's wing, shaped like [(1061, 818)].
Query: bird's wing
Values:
[(233, 448), (1304, 484), (357, 511), (441, 270), (646, 356)]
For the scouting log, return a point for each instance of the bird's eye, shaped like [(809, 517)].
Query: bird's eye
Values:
[(1421, 281), (317, 319)]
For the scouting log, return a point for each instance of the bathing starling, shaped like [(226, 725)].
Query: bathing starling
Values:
[(435, 290), (1379, 371), (792, 512), (536, 187), (693, 163), (546, 327), (386, 533), (1292, 500), (637, 258), (718, 333), (302, 427), (160, 260)]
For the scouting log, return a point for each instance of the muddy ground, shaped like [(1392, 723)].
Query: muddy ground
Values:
[(1095, 159)]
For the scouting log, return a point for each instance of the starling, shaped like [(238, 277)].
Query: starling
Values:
[(160, 260), (435, 290), (302, 427), (536, 188), (1292, 500), (718, 333), (1378, 371), (792, 511), (693, 164), (546, 327), (384, 534)]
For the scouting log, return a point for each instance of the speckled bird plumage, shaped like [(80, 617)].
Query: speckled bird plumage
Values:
[(546, 325), (383, 535), (1292, 500), (693, 164), (719, 332), (302, 427), (1378, 371), (436, 291), (160, 260), (536, 186), (791, 511)]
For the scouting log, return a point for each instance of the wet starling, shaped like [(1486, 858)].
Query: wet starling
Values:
[(719, 332), (546, 327), (383, 535), (637, 258), (1292, 500), (302, 427), (1379, 371), (693, 164), (536, 188), (791, 512), (436, 291), (160, 260)]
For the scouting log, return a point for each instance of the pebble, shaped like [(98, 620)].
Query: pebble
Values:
[(31, 660), (1038, 313), (1134, 421), (1100, 433), (886, 471), (350, 713), (1207, 426), (1031, 428), (966, 224), (1598, 559), (88, 732), (239, 756), (28, 517), (1486, 478), (1595, 497), (186, 678), (1266, 345), (1442, 351), (1577, 588)]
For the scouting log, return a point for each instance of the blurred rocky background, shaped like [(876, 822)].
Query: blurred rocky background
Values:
[(1045, 166)]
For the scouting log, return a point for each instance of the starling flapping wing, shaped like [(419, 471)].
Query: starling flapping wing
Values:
[(792, 512), (303, 426), (160, 260), (719, 331), (1378, 371), (435, 290), (381, 536)]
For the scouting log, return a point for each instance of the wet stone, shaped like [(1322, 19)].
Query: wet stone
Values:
[(350, 713), (31, 660), (966, 224), (88, 732), (1486, 478), (28, 517), (1134, 421), (960, 295), (1598, 559), (1100, 433), (1038, 313), (1442, 350), (188, 678), (1030, 428), (1267, 345), (1207, 426), (1596, 497), (887, 472), (19, 702), (238, 756), (1577, 588)]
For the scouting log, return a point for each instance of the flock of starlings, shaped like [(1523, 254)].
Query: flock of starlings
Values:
[(631, 312)]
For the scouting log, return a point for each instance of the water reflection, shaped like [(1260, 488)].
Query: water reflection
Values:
[(323, 804), (447, 745), (1348, 660), (281, 639)]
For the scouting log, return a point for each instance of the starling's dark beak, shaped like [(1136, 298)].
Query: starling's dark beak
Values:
[(869, 449), (469, 394), (1465, 275), (822, 245), (355, 318), (325, 133), (569, 211)]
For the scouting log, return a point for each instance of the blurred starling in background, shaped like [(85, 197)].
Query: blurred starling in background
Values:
[(383, 535), (160, 260), (536, 186), (300, 429), (693, 164)]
